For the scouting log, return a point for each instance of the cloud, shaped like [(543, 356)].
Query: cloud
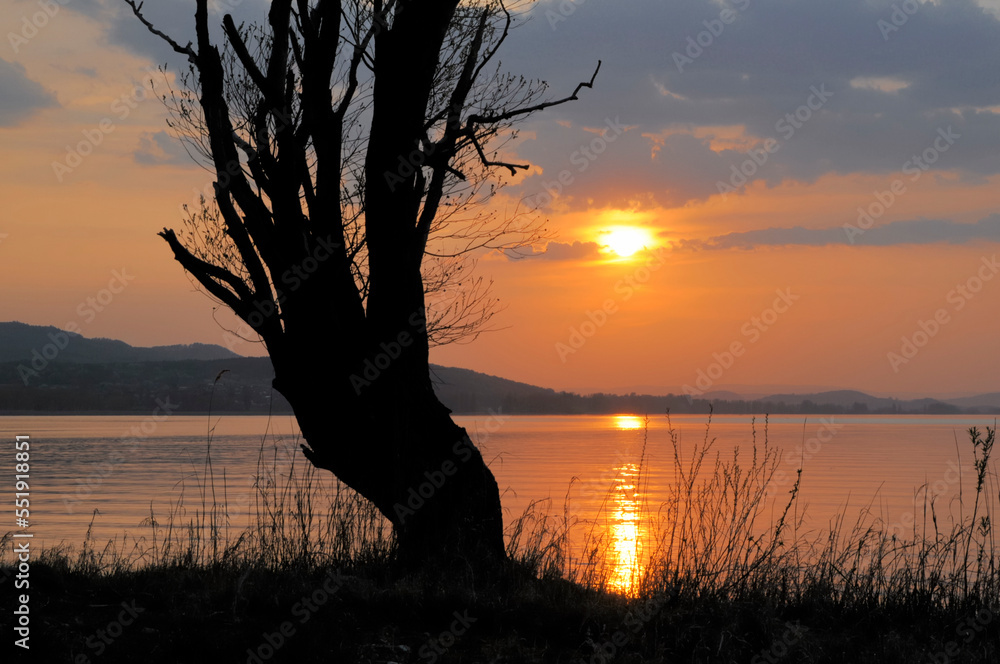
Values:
[(159, 148), (558, 251), (174, 18), (21, 96), (889, 96), (919, 231)]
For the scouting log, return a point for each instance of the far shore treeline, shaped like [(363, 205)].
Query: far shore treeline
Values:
[(244, 386), (46, 370)]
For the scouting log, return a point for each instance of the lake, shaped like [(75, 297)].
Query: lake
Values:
[(605, 472)]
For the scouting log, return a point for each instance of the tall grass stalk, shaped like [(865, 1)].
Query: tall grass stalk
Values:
[(721, 534)]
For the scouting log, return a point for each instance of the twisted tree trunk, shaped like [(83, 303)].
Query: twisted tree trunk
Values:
[(383, 432), (322, 253)]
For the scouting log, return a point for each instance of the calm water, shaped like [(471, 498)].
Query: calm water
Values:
[(124, 467)]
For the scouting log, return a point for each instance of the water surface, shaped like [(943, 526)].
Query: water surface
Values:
[(602, 472)]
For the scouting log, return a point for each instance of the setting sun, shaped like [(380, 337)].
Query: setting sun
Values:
[(625, 241)]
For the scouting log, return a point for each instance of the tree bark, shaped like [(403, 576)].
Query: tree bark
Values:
[(384, 433)]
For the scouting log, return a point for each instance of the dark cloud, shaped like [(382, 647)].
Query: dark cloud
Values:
[(558, 251), (21, 96), (891, 92), (174, 18), (889, 96), (919, 231)]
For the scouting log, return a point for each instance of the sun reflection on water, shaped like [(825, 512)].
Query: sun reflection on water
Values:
[(628, 422), (624, 554)]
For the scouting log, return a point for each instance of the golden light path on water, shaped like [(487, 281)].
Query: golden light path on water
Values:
[(624, 555), (624, 525)]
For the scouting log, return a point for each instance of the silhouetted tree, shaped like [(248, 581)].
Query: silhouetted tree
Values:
[(348, 142)]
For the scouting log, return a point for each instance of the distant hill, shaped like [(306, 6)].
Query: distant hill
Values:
[(979, 401), (105, 375), (464, 390), (859, 401), (837, 397), (243, 385), (240, 385), (19, 342), (724, 395)]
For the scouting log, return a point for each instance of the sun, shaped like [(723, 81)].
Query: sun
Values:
[(625, 241)]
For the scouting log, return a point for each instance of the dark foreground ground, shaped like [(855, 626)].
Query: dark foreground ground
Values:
[(324, 615)]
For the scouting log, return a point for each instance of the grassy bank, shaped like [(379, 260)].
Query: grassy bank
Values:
[(716, 580)]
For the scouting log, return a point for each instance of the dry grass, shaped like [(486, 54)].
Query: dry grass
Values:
[(709, 538), (714, 537), (722, 575)]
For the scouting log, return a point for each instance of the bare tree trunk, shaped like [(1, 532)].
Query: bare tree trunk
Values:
[(384, 433), (349, 344)]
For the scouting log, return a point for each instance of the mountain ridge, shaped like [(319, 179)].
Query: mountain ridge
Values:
[(22, 342), (43, 368)]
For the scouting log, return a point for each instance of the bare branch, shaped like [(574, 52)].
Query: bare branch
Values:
[(487, 162), (240, 48), (183, 50), (379, 20), (496, 47), (306, 138), (493, 119), (212, 277)]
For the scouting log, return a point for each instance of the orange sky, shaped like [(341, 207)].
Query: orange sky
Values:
[(62, 235)]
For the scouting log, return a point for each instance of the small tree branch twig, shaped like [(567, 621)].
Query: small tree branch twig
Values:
[(493, 119), (183, 50)]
